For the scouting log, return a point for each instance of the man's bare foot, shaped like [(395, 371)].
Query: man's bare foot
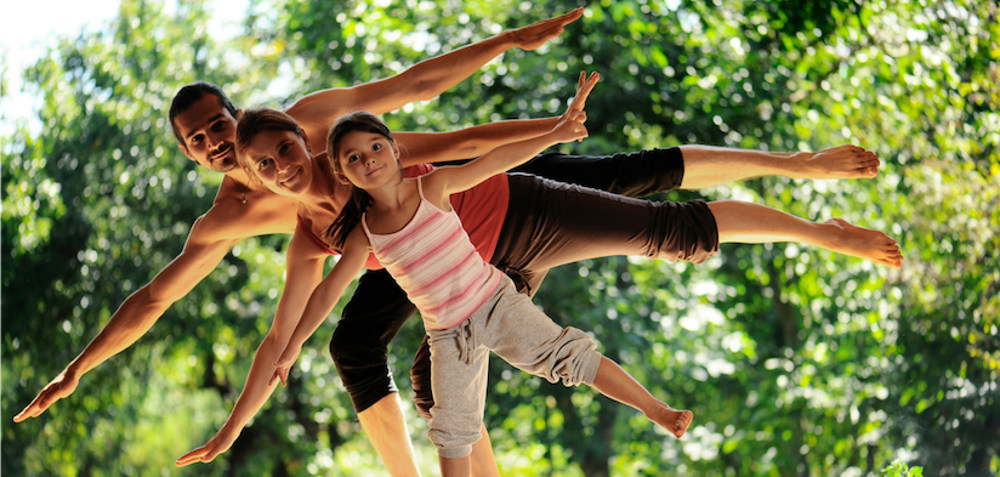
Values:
[(864, 243), (674, 421), (841, 162)]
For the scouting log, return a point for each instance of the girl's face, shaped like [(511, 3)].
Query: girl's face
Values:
[(367, 159), (281, 160)]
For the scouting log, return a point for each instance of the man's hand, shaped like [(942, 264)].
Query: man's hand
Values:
[(533, 36), (218, 444), (60, 387)]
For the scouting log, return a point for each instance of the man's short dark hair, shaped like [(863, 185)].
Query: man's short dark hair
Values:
[(190, 94)]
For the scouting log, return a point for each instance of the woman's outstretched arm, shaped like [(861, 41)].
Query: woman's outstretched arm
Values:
[(304, 272)]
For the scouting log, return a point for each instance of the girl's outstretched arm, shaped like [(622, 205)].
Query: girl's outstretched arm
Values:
[(323, 299), (439, 184), (421, 148)]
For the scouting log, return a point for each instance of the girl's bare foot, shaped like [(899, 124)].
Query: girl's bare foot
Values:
[(674, 421), (841, 162), (864, 243)]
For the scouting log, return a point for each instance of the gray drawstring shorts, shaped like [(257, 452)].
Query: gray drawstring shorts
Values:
[(511, 326)]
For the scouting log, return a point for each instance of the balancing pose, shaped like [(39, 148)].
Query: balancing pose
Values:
[(546, 224), (468, 306), (204, 122)]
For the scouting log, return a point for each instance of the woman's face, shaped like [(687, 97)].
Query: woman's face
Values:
[(281, 160), (367, 159)]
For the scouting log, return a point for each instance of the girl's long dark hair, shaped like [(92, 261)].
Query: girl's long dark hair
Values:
[(359, 202)]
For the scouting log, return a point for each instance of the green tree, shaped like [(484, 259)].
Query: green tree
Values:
[(795, 361)]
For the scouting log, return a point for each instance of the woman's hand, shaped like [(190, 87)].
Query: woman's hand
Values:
[(284, 364), (218, 444), (583, 89)]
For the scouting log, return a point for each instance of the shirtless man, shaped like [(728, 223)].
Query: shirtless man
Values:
[(243, 209)]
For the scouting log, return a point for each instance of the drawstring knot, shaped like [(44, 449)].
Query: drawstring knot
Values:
[(466, 337)]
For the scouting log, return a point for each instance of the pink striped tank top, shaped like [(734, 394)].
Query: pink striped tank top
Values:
[(435, 263)]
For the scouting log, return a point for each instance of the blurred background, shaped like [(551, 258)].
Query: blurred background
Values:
[(795, 361)]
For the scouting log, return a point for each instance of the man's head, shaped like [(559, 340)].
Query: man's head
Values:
[(204, 122)]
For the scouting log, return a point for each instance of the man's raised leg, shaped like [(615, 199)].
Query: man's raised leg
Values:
[(707, 166)]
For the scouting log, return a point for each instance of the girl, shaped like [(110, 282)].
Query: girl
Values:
[(468, 306)]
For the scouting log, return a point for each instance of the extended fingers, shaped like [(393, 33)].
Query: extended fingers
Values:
[(278, 376), (535, 35), (24, 414), (584, 89), (588, 85), (280, 372), (36, 408), (566, 18), (200, 454)]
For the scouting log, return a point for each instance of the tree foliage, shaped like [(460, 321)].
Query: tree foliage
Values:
[(795, 361)]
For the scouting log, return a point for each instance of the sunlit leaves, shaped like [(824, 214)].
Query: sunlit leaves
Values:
[(796, 361)]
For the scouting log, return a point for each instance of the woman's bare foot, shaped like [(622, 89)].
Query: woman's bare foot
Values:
[(674, 421), (841, 162), (855, 241)]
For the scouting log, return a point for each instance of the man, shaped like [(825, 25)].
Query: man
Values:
[(205, 129)]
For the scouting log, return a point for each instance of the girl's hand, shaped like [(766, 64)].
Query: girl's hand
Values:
[(284, 364), (583, 89), (570, 126)]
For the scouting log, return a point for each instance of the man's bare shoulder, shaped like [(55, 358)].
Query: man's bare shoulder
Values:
[(317, 111)]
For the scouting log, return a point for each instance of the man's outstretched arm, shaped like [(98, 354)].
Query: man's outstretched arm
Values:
[(137, 314), (317, 111)]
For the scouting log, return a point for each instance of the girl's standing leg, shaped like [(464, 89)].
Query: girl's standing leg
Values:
[(459, 369)]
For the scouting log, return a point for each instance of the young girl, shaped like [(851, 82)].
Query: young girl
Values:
[(468, 306)]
